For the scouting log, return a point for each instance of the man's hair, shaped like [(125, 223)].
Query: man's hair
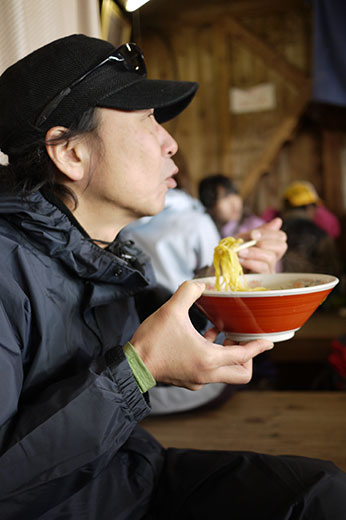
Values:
[(209, 188), (32, 169)]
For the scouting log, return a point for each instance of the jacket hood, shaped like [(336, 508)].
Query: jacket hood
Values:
[(52, 231)]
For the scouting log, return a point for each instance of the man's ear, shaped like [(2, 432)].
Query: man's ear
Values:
[(69, 156)]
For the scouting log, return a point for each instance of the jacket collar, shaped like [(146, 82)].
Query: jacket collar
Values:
[(51, 227)]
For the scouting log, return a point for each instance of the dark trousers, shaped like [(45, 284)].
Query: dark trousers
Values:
[(213, 485)]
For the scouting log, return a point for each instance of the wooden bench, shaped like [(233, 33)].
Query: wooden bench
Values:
[(300, 423)]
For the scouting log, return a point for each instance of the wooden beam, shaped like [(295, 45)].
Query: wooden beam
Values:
[(220, 102), (272, 59), (282, 134), (261, 7), (197, 13), (227, 22)]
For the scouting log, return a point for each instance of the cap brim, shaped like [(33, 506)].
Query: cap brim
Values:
[(167, 98)]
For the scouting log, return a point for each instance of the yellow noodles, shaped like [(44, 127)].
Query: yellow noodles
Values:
[(228, 270)]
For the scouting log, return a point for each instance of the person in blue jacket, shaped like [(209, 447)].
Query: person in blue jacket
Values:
[(81, 125)]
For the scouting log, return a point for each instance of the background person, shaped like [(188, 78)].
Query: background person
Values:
[(180, 243), (310, 233), (302, 194), (222, 201), (180, 240)]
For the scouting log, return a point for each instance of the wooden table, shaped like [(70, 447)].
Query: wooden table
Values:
[(300, 423)]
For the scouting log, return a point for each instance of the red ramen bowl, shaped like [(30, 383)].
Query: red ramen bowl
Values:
[(275, 313)]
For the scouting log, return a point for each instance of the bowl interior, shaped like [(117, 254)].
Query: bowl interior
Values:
[(275, 284)]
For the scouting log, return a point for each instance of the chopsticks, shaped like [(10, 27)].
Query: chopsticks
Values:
[(245, 245)]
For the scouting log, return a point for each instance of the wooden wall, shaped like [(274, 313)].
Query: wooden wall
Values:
[(242, 44)]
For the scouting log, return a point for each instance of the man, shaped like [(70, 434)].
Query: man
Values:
[(79, 122)]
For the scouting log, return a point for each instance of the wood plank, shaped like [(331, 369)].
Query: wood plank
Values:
[(271, 149), (210, 137), (222, 74), (258, 46), (195, 117), (312, 424), (263, 7), (204, 11), (233, 26)]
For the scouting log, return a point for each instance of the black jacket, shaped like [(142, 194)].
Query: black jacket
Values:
[(69, 404)]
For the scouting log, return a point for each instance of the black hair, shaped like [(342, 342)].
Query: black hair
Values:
[(209, 188), (31, 169)]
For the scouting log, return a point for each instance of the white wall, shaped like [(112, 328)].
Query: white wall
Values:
[(26, 25)]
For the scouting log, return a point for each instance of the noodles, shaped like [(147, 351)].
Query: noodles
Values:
[(228, 270)]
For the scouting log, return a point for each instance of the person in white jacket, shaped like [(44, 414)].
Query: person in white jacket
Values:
[(180, 242)]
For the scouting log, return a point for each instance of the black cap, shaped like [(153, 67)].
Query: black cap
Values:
[(29, 85)]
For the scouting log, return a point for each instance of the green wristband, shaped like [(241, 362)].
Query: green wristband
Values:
[(143, 377)]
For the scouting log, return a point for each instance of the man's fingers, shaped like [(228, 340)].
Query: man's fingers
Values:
[(268, 250), (233, 362), (187, 294), (259, 261), (256, 253), (242, 353), (274, 224), (211, 334), (235, 375)]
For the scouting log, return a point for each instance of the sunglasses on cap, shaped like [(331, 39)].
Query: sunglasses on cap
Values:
[(128, 54)]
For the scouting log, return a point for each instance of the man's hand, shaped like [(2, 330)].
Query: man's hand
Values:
[(175, 353), (271, 246)]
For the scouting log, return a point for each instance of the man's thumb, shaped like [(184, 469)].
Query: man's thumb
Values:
[(188, 293)]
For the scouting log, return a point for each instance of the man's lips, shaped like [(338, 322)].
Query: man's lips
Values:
[(171, 183)]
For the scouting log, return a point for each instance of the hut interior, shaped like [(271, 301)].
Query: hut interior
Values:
[(254, 119)]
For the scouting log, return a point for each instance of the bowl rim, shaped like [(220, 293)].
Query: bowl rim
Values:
[(329, 282)]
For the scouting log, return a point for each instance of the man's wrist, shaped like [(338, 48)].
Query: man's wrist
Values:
[(143, 377)]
